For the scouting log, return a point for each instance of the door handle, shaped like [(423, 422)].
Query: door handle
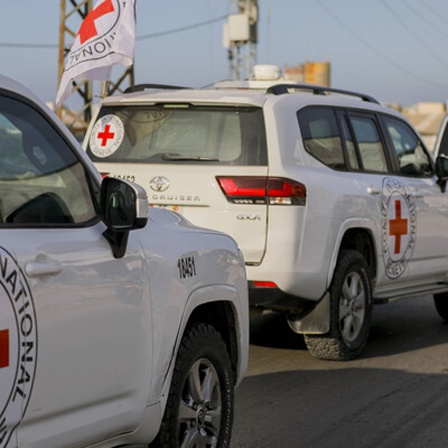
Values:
[(37, 269)]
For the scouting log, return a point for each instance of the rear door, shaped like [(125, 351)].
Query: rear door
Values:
[(371, 169), (402, 198), (425, 200), (208, 163), (405, 200)]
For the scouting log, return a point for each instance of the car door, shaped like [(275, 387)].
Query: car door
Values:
[(403, 199), (370, 166), (389, 205), (74, 337), (12, 342), (207, 162), (423, 203)]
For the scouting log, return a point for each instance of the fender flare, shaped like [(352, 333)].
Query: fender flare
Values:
[(366, 224), (207, 295)]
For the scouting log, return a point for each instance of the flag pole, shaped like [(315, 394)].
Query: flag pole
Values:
[(104, 89)]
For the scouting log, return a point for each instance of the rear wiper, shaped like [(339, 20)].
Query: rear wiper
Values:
[(179, 157)]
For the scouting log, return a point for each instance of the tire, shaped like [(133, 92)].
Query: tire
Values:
[(351, 311), (199, 410), (441, 303)]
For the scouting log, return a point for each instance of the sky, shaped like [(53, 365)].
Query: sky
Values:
[(396, 51)]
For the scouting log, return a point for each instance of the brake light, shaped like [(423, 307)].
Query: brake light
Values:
[(262, 190), (263, 284), (103, 175)]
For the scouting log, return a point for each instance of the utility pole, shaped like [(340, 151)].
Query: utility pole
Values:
[(72, 14), (240, 37)]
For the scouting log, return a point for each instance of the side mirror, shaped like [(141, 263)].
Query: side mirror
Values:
[(442, 167), (124, 207), (441, 145), (442, 171)]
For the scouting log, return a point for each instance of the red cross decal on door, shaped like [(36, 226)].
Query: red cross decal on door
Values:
[(398, 227), (4, 348), (88, 28), (105, 135)]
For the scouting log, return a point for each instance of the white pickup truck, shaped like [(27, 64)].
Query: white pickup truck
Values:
[(117, 326)]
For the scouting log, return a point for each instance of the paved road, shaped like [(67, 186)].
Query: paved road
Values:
[(395, 396)]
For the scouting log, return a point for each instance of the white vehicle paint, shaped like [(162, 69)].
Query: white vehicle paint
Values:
[(333, 198), (101, 301)]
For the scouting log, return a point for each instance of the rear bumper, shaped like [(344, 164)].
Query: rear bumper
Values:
[(278, 300)]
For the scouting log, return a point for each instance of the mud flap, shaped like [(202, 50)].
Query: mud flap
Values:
[(317, 322)]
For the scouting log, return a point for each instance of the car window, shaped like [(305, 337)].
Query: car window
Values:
[(179, 133), (41, 180), (369, 143), (321, 136), (412, 157)]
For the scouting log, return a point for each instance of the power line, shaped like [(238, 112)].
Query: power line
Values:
[(411, 32), (430, 23), (436, 13), (184, 28), (27, 46), (377, 52), (145, 36)]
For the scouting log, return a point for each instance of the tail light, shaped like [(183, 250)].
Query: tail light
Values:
[(103, 175), (262, 190), (263, 284)]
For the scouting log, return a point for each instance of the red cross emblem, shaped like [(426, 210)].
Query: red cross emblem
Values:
[(4, 348), (88, 28), (398, 227), (105, 135)]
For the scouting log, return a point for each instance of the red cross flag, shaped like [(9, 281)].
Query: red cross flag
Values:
[(106, 37)]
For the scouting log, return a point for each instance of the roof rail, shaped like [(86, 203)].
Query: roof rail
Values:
[(141, 87), (280, 89)]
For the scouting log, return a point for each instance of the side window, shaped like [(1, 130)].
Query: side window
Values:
[(412, 157), (321, 137), (369, 142), (41, 180)]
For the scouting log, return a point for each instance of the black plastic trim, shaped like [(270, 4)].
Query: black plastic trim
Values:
[(281, 89), (277, 300), (142, 87)]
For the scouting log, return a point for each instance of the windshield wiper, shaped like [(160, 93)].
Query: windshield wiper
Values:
[(179, 157)]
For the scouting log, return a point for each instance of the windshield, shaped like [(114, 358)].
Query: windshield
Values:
[(179, 133)]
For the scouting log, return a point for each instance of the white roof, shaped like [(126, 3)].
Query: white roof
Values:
[(246, 93)]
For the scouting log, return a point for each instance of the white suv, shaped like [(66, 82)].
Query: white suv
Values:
[(115, 328), (333, 198)]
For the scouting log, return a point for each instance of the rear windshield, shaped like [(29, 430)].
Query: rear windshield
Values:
[(179, 133)]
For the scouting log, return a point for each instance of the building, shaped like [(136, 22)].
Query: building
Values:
[(309, 73)]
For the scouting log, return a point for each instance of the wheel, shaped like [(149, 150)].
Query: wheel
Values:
[(351, 311), (441, 303), (199, 411)]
